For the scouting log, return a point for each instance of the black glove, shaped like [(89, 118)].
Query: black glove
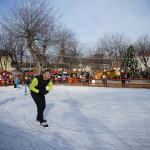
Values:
[(43, 92)]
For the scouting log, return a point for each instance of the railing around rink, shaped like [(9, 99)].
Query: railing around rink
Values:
[(106, 82)]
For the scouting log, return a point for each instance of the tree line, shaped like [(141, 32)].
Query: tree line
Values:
[(33, 28)]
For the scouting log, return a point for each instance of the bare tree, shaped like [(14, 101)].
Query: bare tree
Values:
[(114, 44), (142, 46), (64, 45), (15, 47), (36, 21)]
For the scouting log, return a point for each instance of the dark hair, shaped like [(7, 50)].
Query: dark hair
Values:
[(47, 70)]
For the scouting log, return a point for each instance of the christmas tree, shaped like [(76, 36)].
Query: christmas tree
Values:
[(130, 61)]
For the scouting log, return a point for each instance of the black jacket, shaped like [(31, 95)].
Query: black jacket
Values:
[(123, 75), (128, 75), (39, 83), (26, 81)]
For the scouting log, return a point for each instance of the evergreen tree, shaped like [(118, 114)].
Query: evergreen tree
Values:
[(130, 61)]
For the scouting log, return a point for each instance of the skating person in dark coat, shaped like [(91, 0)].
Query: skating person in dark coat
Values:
[(26, 83), (38, 92), (123, 77), (128, 76), (87, 77), (15, 82)]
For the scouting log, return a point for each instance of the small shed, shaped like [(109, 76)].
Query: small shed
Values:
[(111, 73), (9, 77), (17, 73), (99, 74)]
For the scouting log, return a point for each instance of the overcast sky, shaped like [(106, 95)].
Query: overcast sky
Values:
[(92, 18)]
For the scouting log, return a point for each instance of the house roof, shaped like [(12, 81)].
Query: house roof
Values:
[(4, 53), (111, 70), (117, 65), (6, 72), (16, 72), (145, 54), (100, 71)]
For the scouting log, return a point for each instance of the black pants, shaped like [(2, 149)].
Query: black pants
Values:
[(105, 82), (123, 82), (5, 82), (15, 86), (40, 103)]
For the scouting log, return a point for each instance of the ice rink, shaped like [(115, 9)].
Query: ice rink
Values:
[(79, 118)]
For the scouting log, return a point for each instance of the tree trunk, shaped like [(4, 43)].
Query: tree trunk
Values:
[(38, 66), (59, 60), (1, 64), (112, 63), (35, 54), (145, 62)]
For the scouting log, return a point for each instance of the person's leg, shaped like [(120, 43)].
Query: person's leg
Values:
[(29, 87), (39, 104), (15, 87), (42, 97), (122, 82), (104, 82), (25, 85)]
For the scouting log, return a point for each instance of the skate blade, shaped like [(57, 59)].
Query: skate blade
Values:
[(45, 128)]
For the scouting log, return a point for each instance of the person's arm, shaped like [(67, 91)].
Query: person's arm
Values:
[(33, 85), (50, 86)]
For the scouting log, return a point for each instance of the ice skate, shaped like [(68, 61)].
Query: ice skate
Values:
[(44, 125), (44, 121), (37, 121)]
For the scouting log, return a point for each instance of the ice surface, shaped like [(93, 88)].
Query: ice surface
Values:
[(79, 118)]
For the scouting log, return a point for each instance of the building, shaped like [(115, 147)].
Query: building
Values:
[(5, 61), (141, 62)]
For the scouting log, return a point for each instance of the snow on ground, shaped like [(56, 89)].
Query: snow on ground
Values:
[(80, 118)]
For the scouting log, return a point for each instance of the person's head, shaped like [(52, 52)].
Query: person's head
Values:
[(47, 74)]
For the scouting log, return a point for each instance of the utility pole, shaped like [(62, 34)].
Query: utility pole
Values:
[(80, 65)]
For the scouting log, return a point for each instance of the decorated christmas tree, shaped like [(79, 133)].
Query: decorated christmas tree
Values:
[(130, 61)]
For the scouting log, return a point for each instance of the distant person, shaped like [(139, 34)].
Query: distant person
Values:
[(87, 77), (63, 77), (27, 82), (104, 76), (5, 79), (123, 77), (15, 82), (128, 77), (38, 92), (18, 82)]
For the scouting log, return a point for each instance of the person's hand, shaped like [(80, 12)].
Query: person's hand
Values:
[(43, 92)]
